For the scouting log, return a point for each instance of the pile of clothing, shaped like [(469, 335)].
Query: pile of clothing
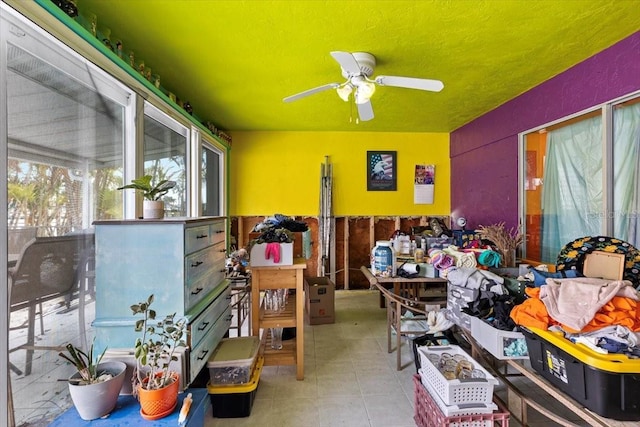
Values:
[(491, 301), (600, 313)]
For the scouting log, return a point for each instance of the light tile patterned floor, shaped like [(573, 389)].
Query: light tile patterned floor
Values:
[(350, 379)]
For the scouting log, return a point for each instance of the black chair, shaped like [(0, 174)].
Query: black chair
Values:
[(48, 268)]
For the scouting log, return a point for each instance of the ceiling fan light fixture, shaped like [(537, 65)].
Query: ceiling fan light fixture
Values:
[(344, 92), (364, 92)]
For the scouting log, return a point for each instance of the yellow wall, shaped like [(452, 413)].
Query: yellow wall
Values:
[(279, 172)]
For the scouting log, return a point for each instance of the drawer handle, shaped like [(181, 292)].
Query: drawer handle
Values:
[(204, 353), (203, 326), (229, 297), (219, 231), (202, 236), (196, 264), (229, 317), (198, 290)]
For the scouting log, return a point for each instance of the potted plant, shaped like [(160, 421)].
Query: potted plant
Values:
[(95, 386), (152, 207), (155, 384)]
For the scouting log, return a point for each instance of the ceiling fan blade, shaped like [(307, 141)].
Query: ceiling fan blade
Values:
[(365, 111), (347, 62), (311, 92), (410, 83)]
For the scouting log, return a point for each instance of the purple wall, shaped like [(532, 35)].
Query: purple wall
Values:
[(484, 152)]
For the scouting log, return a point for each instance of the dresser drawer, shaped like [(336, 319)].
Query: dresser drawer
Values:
[(199, 355), (206, 320), (218, 231), (196, 238), (204, 270)]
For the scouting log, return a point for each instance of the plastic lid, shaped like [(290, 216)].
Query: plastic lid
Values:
[(383, 243), (234, 352)]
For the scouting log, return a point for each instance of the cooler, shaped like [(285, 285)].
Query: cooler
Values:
[(607, 384)]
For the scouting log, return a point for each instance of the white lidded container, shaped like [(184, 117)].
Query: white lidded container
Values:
[(233, 360), (383, 259)]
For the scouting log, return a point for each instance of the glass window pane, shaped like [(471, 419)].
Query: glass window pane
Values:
[(626, 169), (165, 158), (563, 185), (65, 130), (211, 180), (65, 149)]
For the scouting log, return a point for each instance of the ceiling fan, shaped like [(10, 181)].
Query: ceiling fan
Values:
[(358, 68)]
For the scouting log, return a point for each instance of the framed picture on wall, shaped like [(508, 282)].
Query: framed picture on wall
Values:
[(382, 173)]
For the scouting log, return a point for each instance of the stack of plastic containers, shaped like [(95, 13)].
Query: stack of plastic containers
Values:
[(452, 389), (234, 374)]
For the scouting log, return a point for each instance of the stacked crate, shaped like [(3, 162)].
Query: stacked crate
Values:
[(454, 402)]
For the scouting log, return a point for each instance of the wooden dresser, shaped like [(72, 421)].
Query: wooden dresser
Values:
[(181, 261)]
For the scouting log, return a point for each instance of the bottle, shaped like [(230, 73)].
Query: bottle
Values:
[(384, 259)]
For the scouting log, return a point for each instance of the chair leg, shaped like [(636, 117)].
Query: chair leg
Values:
[(389, 327), (30, 339), (41, 319), (398, 345), (81, 303)]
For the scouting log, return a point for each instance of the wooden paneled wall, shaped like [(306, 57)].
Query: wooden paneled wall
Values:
[(354, 239)]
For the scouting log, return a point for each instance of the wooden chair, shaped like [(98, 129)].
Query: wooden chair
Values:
[(398, 320), (48, 268)]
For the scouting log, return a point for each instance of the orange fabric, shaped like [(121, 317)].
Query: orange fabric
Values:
[(619, 311)]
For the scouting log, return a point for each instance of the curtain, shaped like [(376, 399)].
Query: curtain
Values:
[(626, 169), (572, 185)]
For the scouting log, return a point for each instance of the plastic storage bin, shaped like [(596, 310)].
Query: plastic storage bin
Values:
[(235, 401), (607, 384), (431, 412), (501, 344), (458, 298), (454, 392), (233, 361)]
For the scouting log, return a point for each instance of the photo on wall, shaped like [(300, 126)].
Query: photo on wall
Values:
[(424, 183), (381, 171)]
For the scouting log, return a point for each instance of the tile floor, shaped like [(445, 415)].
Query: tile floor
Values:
[(350, 379)]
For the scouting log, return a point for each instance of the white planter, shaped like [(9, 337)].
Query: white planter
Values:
[(152, 209), (94, 401)]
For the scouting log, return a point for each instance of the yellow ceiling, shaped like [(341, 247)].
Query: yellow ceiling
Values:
[(234, 61)]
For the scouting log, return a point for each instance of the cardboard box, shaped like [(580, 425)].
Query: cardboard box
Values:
[(298, 242), (319, 294), (258, 255)]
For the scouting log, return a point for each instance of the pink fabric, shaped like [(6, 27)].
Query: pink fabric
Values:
[(272, 249), (574, 302)]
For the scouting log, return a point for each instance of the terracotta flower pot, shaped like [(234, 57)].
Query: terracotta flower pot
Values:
[(155, 404)]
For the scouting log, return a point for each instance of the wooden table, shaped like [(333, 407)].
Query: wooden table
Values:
[(412, 287)]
